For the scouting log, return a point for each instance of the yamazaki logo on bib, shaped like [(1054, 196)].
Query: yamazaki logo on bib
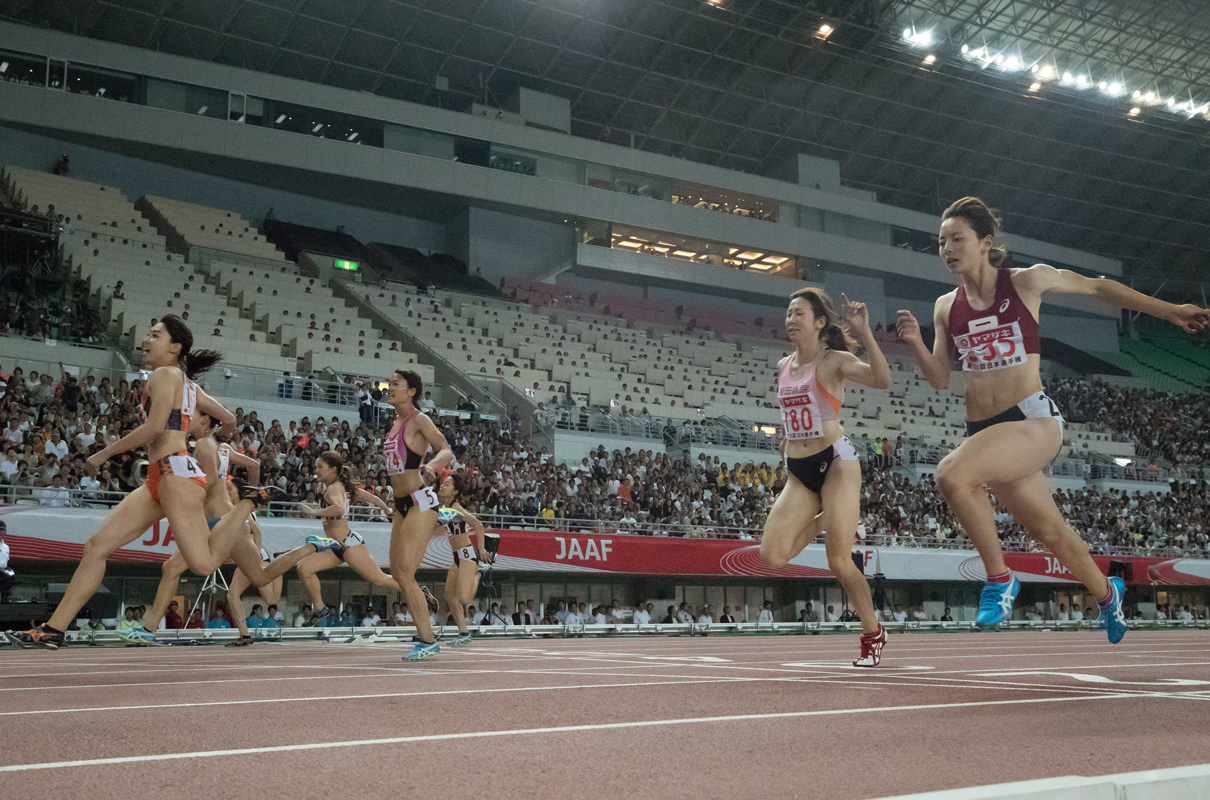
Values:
[(990, 345)]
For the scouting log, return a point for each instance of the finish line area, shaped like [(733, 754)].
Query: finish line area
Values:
[(601, 716)]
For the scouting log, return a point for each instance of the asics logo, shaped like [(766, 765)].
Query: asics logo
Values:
[(1004, 306), (823, 467)]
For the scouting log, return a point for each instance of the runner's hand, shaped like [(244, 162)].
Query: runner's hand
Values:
[(1191, 318), (856, 315), (908, 328)]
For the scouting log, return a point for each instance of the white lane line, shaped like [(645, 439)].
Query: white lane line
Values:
[(93, 762), (324, 698)]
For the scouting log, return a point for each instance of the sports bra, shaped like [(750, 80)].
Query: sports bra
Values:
[(802, 413), (401, 458), (997, 337), (179, 418), (452, 520)]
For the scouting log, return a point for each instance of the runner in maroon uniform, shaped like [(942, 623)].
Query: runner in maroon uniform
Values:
[(989, 326)]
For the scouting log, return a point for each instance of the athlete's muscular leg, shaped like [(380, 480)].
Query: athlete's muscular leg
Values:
[(452, 600), (358, 557), (235, 603), (127, 522), (1003, 453), (790, 525), (410, 536), (170, 578), (1031, 503), (841, 496), (307, 569)]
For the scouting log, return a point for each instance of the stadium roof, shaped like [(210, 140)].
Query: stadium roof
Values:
[(746, 84)]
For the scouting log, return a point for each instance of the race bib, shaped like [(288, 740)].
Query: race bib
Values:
[(990, 345), (800, 416), (185, 467), (425, 498)]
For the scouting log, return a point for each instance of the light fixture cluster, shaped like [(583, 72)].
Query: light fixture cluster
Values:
[(1045, 70)]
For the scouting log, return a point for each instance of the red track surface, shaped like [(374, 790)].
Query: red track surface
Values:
[(600, 717)]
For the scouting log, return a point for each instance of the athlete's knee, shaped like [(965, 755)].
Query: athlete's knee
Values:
[(95, 549), (841, 564), (775, 551), (174, 567), (950, 479)]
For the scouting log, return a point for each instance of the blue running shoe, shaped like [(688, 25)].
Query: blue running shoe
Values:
[(996, 602), (462, 638), (1114, 619), (421, 650), (137, 635), (322, 543)]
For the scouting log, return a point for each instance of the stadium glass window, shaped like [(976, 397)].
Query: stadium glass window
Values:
[(22, 68)]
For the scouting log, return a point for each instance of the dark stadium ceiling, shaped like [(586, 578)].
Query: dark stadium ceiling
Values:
[(746, 84)]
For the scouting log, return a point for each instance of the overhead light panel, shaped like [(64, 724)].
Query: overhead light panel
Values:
[(280, 119), (825, 29), (317, 128), (3, 66), (203, 109)]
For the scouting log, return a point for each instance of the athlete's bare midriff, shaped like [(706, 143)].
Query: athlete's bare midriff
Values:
[(802, 448)]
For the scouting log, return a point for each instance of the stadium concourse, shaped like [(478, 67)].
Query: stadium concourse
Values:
[(588, 235)]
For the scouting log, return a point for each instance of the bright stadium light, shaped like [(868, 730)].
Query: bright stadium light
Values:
[(965, 49), (1013, 64), (930, 58)]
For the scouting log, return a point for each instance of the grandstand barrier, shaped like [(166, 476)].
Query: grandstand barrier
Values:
[(59, 534)]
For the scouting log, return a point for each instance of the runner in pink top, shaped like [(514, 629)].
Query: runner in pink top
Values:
[(824, 473)]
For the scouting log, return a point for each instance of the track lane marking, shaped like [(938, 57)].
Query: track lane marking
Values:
[(93, 762)]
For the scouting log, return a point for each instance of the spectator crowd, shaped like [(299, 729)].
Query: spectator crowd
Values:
[(51, 423)]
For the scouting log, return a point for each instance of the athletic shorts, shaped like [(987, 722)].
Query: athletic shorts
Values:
[(1036, 406), (180, 464), (467, 552), (352, 540), (812, 470), (424, 499)]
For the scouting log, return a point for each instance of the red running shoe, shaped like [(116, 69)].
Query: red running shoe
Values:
[(871, 648)]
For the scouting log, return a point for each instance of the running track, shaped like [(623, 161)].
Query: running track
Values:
[(734, 717)]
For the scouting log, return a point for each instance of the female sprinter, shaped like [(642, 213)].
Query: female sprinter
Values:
[(342, 490), (175, 485), (1013, 430), (824, 472), (412, 434), (215, 460), (462, 580)]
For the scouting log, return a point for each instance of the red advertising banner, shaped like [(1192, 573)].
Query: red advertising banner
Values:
[(59, 535)]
